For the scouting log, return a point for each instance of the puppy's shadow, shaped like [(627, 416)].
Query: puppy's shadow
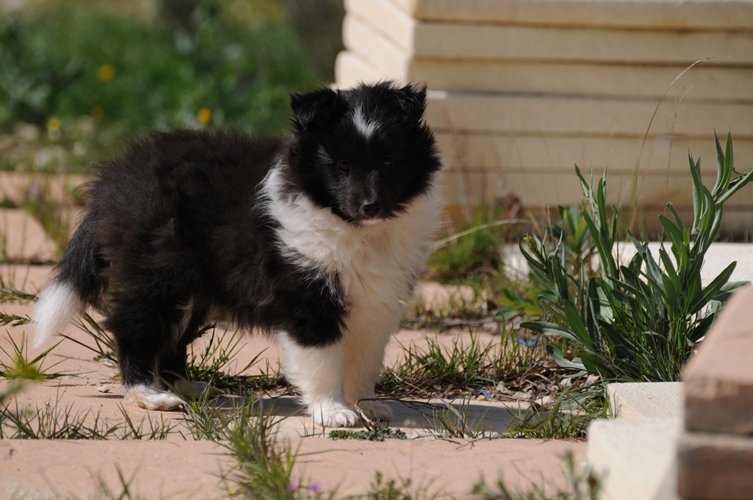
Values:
[(284, 406), (492, 417)]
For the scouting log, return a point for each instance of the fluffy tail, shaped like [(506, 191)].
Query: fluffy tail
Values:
[(76, 283)]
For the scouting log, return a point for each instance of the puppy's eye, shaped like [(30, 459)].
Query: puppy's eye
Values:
[(343, 165), (387, 161)]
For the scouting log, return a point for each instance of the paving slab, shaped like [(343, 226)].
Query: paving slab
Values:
[(719, 379), (46, 469), (179, 467), (22, 237), (17, 186)]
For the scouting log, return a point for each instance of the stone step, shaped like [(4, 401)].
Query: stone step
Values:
[(706, 81), (645, 14), (661, 155), (503, 113), (444, 40)]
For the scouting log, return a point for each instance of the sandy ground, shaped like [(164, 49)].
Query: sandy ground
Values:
[(181, 467)]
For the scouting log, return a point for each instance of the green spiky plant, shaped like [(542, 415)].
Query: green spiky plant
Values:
[(638, 322)]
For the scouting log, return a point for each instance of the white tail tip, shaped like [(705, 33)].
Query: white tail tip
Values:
[(56, 305)]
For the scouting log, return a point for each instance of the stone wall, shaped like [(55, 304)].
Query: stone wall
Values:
[(521, 90)]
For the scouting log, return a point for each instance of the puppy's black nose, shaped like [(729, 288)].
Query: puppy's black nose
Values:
[(371, 209)]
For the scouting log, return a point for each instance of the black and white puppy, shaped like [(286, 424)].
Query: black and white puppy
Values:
[(315, 238)]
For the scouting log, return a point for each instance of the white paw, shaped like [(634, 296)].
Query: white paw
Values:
[(376, 411), (152, 399), (195, 389), (333, 415)]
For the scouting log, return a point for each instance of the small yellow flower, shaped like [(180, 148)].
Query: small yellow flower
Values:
[(106, 72), (98, 112), (53, 125), (204, 115)]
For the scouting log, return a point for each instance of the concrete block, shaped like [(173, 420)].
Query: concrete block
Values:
[(712, 466), (646, 400), (719, 379), (594, 117), (509, 42), (647, 14), (636, 456)]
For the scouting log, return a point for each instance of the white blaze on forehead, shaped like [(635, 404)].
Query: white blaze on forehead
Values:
[(365, 126)]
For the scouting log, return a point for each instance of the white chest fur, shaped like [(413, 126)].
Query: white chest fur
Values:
[(376, 263)]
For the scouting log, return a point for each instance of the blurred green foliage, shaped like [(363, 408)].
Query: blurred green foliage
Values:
[(194, 63)]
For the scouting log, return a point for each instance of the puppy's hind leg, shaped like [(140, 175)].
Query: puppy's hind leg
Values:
[(318, 374), (173, 368), (142, 330)]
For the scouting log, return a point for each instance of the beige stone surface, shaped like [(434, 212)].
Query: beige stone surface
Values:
[(646, 14), (23, 238), (17, 186), (387, 18), (539, 188), (24, 277), (510, 42), (363, 39), (583, 116), (635, 456), (719, 379), (660, 154), (180, 467), (444, 466), (634, 400), (71, 469), (708, 82), (704, 82), (715, 467), (350, 70)]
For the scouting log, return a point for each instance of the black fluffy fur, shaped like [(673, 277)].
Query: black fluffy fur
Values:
[(177, 219)]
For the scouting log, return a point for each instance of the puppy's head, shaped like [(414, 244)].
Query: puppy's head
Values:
[(366, 153)]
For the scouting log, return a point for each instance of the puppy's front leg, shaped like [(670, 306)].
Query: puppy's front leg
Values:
[(318, 374), (368, 332)]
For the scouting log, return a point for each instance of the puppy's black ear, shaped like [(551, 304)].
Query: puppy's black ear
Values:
[(314, 109), (412, 100)]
